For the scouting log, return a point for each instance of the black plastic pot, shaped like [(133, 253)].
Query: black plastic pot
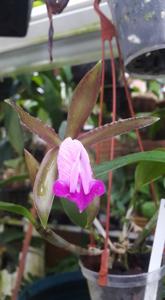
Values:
[(141, 29), (14, 17), (58, 287)]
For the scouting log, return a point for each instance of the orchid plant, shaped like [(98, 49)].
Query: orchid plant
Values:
[(66, 170)]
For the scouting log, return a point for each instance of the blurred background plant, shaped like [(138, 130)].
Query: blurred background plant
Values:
[(44, 95), (37, 3)]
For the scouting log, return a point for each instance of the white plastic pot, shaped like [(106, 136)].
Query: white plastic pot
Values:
[(124, 287)]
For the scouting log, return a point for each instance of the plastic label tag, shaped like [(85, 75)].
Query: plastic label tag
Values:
[(157, 252)]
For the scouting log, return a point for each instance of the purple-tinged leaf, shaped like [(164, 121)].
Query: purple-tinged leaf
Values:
[(83, 101), (43, 195), (113, 129), (56, 6), (36, 126), (32, 165)]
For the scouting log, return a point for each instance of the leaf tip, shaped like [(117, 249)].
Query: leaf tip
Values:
[(155, 119), (44, 221), (32, 165), (9, 101), (152, 120), (98, 66)]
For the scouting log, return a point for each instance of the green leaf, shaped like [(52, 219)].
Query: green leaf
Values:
[(83, 101), (84, 219), (37, 3), (37, 79), (14, 130), (36, 126), (52, 100), (148, 209), (147, 172), (12, 179), (92, 211), (152, 156), (108, 131), (43, 195), (32, 165), (154, 87), (10, 207), (13, 163), (74, 215), (6, 151)]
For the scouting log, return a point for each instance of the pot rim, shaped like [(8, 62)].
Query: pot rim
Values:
[(143, 51), (125, 281)]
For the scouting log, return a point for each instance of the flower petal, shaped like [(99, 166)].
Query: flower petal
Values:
[(97, 188), (86, 171), (67, 154), (75, 180), (60, 189), (82, 201), (74, 174)]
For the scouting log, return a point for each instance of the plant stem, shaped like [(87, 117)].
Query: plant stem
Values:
[(126, 225), (56, 240), (102, 232), (145, 232)]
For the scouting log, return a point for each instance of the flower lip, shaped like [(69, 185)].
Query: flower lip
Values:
[(79, 198), (76, 182)]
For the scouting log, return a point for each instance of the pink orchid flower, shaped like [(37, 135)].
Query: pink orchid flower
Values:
[(75, 181)]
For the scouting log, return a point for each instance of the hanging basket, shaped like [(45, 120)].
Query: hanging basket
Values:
[(141, 31), (124, 287)]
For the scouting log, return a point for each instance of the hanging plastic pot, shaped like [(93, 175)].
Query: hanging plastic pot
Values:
[(124, 287), (141, 30), (14, 17)]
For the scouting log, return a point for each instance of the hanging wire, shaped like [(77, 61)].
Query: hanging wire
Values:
[(128, 96), (101, 101), (132, 113), (108, 32), (105, 256), (50, 32)]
